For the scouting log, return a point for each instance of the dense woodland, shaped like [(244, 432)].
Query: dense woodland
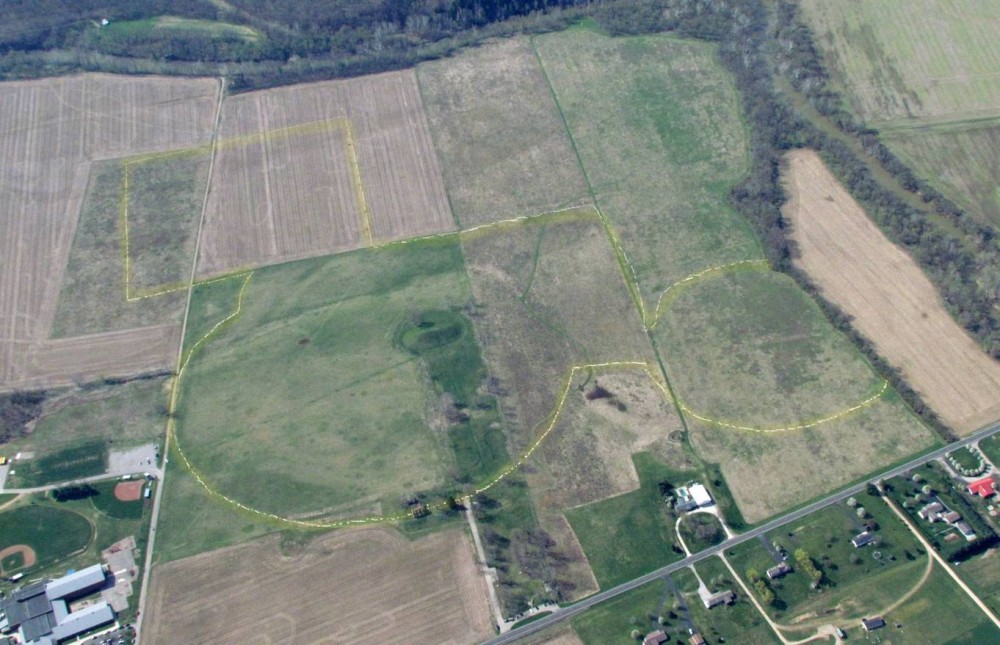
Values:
[(763, 43)]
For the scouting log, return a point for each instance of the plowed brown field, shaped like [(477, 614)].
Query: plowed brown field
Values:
[(891, 300), (50, 131), (367, 585), (285, 183)]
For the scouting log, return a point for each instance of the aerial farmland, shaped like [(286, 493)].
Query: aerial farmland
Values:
[(557, 328)]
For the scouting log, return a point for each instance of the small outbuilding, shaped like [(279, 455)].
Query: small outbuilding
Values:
[(655, 638), (863, 539), (871, 624), (779, 570)]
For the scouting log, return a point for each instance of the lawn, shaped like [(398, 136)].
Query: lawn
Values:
[(53, 533), (982, 573), (162, 202), (631, 534), (656, 127), (300, 405), (63, 464), (613, 621), (751, 348), (918, 58), (701, 531), (736, 623), (855, 580), (990, 447)]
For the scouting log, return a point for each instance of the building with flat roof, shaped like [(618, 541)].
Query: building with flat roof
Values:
[(40, 612)]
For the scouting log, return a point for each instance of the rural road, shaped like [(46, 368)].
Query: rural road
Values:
[(843, 494), (152, 470)]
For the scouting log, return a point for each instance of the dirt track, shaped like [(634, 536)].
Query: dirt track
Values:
[(366, 585), (50, 131), (892, 301)]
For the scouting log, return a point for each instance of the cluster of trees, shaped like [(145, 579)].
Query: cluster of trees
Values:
[(761, 587), (17, 410), (807, 566), (68, 493)]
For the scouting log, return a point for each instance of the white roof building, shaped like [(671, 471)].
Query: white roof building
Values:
[(700, 495)]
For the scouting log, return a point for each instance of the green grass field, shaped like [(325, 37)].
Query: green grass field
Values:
[(959, 159), (856, 581), (631, 534), (53, 533), (123, 415), (982, 573), (701, 531), (751, 348), (656, 126), (301, 403), (106, 502), (63, 464), (918, 58), (990, 447), (612, 622)]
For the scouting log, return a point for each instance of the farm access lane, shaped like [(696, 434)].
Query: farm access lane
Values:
[(843, 494), (152, 470)]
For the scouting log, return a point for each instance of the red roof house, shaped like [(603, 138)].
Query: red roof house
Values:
[(983, 487)]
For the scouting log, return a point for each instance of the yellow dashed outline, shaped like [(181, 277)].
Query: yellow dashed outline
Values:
[(314, 127), (552, 419)]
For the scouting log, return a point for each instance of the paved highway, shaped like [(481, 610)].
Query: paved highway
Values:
[(587, 603)]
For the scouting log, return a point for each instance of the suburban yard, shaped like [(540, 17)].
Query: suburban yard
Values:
[(346, 586)]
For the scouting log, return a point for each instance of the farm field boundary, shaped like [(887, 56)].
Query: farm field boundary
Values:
[(342, 124), (543, 430)]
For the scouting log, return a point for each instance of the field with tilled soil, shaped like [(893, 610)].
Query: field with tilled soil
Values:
[(891, 301), (315, 169), (50, 133), (367, 585)]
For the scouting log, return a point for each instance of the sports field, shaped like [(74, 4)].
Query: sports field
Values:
[(343, 587), (920, 58), (891, 300), (52, 534)]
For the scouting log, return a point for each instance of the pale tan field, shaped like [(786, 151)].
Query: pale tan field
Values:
[(284, 184), (891, 300), (64, 361), (912, 58), (50, 132), (368, 585), (503, 146)]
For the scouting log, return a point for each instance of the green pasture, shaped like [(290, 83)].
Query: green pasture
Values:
[(612, 622), (982, 573), (939, 613), (631, 534), (305, 404), (751, 348), (656, 126), (163, 196), (53, 533)]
